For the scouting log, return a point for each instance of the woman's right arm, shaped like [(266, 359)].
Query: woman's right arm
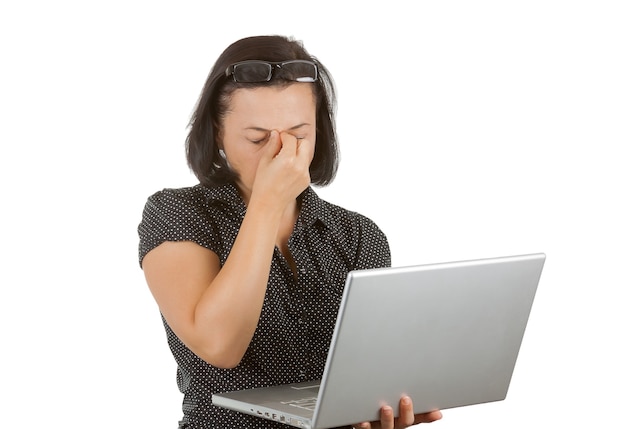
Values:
[(214, 310)]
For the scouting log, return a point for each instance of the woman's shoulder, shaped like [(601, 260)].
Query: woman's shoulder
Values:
[(179, 214), (189, 193), (172, 202), (189, 208), (193, 197)]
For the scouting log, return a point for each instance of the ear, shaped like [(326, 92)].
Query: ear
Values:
[(218, 134)]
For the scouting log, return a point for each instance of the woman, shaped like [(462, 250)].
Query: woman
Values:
[(248, 266)]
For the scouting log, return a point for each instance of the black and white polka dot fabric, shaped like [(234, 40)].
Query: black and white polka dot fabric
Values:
[(298, 316)]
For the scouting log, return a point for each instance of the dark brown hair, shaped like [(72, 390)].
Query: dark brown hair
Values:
[(204, 128)]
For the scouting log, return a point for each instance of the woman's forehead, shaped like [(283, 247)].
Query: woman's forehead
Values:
[(263, 107)]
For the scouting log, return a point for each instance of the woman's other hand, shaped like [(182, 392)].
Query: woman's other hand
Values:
[(406, 418)]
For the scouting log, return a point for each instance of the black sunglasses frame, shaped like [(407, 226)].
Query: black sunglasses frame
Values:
[(231, 70)]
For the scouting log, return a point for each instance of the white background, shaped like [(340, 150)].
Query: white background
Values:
[(468, 129)]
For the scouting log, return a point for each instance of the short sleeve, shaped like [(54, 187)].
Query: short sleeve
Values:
[(174, 215)]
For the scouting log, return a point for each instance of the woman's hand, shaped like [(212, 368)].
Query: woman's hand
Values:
[(406, 418), (283, 170)]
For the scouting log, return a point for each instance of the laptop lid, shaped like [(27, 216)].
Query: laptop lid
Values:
[(447, 335)]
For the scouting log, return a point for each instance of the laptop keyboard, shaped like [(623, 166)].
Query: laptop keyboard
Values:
[(305, 403)]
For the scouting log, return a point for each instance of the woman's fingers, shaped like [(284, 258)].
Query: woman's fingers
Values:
[(428, 417), (406, 418), (273, 146), (300, 149), (386, 418)]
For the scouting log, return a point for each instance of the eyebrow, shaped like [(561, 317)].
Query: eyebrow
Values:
[(295, 127)]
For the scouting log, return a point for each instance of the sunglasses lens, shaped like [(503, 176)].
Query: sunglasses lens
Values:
[(299, 71), (252, 72)]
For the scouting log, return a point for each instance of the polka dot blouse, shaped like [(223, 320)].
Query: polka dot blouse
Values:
[(298, 316)]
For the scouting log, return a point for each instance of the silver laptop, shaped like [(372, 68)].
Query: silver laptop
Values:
[(447, 335)]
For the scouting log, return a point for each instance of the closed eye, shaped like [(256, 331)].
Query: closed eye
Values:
[(260, 140)]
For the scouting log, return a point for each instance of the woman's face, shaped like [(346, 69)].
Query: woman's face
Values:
[(253, 114)]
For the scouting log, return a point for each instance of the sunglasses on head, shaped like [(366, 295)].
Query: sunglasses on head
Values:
[(253, 71)]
